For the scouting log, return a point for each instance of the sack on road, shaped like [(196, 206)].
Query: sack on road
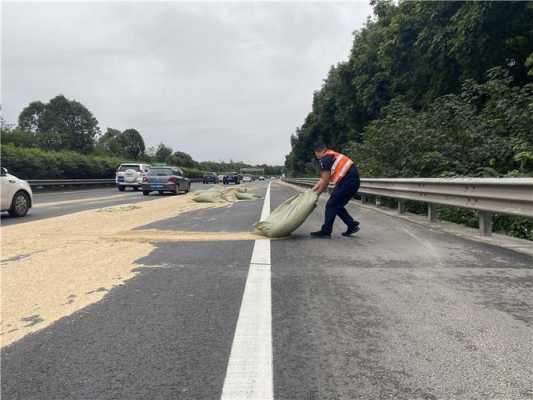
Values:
[(209, 196), (246, 196), (289, 215)]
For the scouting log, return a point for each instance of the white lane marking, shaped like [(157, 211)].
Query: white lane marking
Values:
[(265, 212), (249, 373)]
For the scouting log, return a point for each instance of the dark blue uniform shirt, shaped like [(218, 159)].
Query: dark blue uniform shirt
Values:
[(351, 177)]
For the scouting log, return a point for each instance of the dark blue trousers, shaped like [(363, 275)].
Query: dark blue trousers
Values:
[(341, 195)]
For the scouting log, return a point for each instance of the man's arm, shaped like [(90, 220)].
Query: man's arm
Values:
[(323, 183)]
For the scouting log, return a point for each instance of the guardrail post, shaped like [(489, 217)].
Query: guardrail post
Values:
[(432, 213), (401, 206), (485, 223)]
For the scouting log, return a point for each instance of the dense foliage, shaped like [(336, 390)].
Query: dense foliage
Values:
[(430, 89), (60, 124), (484, 130), (34, 163)]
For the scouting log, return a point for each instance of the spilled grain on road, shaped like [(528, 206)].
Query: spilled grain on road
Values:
[(53, 267)]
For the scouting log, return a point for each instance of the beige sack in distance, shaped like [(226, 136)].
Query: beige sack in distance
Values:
[(209, 196), (289, 215), (246, 196)]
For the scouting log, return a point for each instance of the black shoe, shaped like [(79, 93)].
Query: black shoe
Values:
[(321, 234), (352, 230)]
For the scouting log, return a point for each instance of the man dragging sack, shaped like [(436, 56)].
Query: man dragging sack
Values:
[(340, 170)]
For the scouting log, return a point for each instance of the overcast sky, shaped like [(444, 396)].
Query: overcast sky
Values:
[(219, 81)]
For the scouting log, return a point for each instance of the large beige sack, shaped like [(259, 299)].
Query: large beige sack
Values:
[(289, 215), (209, 196), (211, 189), (246, 196)]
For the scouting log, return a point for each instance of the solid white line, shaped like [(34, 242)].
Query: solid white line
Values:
[(249, 372)]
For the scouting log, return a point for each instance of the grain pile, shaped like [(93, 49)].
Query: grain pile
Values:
[(53, 267), (156, 235), (217, 194)]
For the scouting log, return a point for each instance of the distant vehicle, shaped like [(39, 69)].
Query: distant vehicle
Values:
[(220, 178), (247, 178), (131, 175), (210, 177), (232, 177), (17, 196), (165, 179), (261, 178)]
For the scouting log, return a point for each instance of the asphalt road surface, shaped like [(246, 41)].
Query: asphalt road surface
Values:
[(52, 203), (397, 312)]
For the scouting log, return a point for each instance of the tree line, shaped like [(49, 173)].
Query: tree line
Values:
[(431, 89), (64, 129)]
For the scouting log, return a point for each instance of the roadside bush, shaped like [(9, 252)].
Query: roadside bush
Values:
[(33, 163)]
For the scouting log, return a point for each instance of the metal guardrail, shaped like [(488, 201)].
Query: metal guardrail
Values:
[(48, 183), (51, 183), (487, 196)]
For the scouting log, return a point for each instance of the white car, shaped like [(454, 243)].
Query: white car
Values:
[(246, 178), (17, 197), (131, 175)]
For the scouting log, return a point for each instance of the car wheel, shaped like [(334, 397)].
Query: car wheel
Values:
[(121, 188), (20, 204), (136, 188), (160, 192), (146, 192)]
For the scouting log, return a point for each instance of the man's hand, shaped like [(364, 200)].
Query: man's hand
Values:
[(322, 184)]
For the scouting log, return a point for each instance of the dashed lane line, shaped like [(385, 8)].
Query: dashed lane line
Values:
[(249, 372)]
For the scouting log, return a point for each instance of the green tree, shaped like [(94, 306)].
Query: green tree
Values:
[(181, 159), (30, 119), (413, 52), (67, 124), (111, 141), (162, 153), (132, 143)]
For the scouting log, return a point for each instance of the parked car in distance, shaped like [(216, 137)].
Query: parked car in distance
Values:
[(17, 196), (210, 177), (231, 177), (220, 178), (261, 178), (246, 178), (131, 175), (165, 179)]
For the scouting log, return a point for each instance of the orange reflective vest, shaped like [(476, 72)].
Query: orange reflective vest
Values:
[(341, 165)]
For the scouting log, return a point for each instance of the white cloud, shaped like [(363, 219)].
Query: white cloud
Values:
[(217, 80)]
